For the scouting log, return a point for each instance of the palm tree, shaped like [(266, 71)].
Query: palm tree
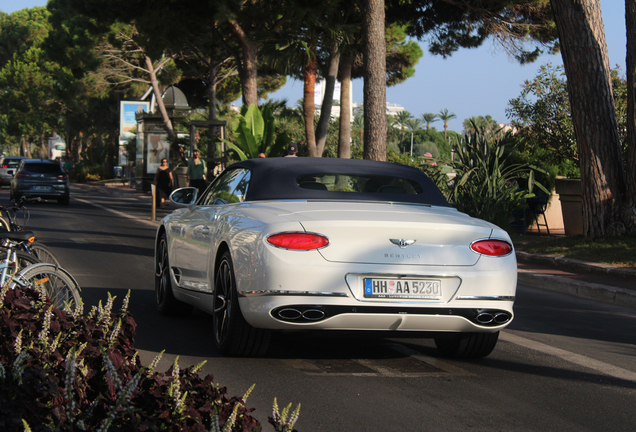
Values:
[(487, 124), (401, 119), (297, 49), (358, 125), (445, 116), (413, 125), (472, 124), (429, 118)]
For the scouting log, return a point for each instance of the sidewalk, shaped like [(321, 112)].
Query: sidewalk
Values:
[(593, 281)]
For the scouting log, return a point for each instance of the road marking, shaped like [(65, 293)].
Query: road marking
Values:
[(118, 213), (581, 360)]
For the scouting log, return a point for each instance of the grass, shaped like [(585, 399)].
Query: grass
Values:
[(617, 251)]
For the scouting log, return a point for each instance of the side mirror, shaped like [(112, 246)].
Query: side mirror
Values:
[(185, 196)]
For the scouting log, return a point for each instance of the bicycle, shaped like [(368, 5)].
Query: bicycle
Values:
[(53, 281), (8, 222)]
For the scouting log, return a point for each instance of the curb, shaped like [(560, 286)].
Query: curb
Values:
[(586, 290), (561, 261), (114, 190)]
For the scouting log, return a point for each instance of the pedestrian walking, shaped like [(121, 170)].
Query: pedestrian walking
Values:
[(163, 183), (195, 175)]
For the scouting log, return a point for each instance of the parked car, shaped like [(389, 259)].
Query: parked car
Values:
[(40, 178), (333, 244), (8, 165)]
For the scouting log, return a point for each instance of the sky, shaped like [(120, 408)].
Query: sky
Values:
[(470, 83)]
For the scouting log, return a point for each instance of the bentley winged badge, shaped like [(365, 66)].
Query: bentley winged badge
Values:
[(402, 243)]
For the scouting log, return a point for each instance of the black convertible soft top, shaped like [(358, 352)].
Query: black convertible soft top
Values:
[(276, 178)]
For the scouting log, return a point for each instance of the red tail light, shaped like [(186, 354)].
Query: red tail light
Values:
[(62, 176), (298, 240), (492, 247), (21, 175)]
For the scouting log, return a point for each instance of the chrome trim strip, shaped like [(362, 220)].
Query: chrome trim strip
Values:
[(291, 293), (494, 298)]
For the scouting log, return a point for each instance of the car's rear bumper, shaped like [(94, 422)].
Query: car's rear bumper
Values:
[(50, 192), (285, 313)]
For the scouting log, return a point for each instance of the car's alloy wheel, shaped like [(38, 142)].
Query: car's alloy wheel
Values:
[(167, 304), (233, 335), (467, 345)]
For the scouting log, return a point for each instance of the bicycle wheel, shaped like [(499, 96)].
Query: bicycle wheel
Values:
[(54, 282), (24, 259), (43, 253), (4, 222)]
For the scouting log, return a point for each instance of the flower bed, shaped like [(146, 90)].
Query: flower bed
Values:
[(74, 371)]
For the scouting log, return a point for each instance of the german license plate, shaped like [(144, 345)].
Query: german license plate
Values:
[(428, 289), (41, 188)]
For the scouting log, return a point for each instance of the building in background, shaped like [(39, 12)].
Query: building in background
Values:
[(57, 147)]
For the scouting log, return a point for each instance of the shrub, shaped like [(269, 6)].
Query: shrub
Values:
[(68, 371), (84, 171), (487, 182), (254, 133)]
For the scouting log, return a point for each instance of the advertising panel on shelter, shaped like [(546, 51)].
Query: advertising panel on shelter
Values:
[(127, 120)]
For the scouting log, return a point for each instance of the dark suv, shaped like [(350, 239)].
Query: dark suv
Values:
[(40, 178)]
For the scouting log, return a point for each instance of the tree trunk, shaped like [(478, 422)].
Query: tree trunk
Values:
[(167, 123), (584, 51), (44, 147), (374, 64), (630, 156), (327, 102), (211, 150), (309, 107), (248, 66), (26, 147), (344, 138), (212, 92)]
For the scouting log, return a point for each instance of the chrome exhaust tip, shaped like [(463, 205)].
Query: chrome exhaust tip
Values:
[(491, 317), (299, 313), (289, 314), (502, 318), (485, 318), (313, 314)]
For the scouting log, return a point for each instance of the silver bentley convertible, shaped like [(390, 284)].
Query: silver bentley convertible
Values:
[(333, 244)]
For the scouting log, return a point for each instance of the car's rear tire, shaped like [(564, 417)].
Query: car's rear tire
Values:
[(232, 334), (65, 200), (467, 345), (167, 304)]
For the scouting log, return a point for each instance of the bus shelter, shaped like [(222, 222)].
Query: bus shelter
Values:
[(153, 143)]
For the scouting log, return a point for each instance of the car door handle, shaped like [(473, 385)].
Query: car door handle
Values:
[(202, 230)]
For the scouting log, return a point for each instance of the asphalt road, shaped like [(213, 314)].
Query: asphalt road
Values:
[(564, 364)]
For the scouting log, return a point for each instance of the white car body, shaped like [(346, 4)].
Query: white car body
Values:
[(399, 243)]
